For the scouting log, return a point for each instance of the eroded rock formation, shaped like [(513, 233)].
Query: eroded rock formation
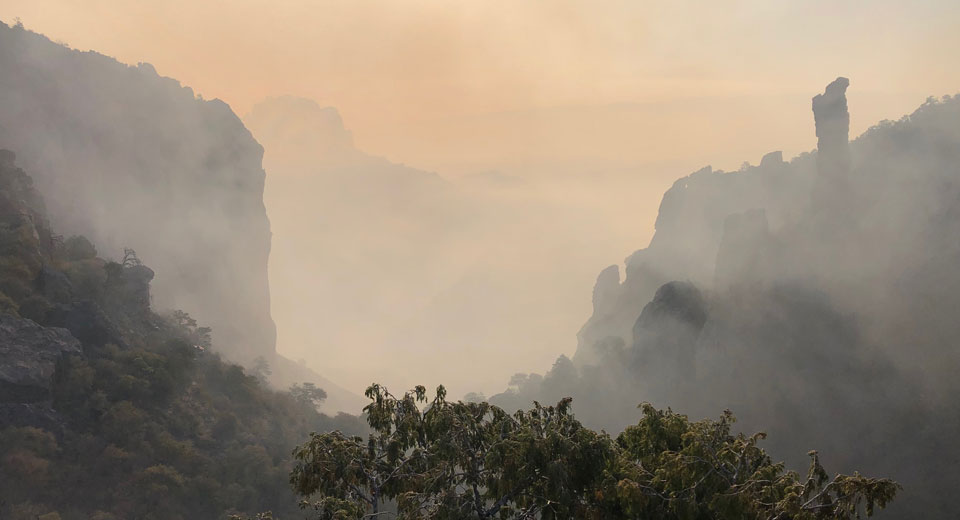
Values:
[(832, 121)]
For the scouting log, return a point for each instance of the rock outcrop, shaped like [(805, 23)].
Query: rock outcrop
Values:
[(665, 335), (832, 120), (30, 354), (833, 189)]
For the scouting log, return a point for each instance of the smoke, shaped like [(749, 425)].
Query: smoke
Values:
[(815, 298), (383, 272)]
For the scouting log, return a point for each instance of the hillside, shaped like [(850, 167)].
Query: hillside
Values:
[(109, 410)]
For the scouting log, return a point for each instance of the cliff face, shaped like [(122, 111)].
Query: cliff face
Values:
[(689, 229), (871, 209), (134, 160)]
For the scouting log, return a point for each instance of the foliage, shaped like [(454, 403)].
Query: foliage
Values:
[(443, 460), (200, 337), (166, 433), (308, 394), (261, 369)]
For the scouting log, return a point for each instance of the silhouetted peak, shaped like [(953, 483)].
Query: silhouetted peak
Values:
[(606, 290), (147, 68), (835, 91), (771, 159), (665, 334), (832, 190), (681, 301), (299, 123), (833, 127)]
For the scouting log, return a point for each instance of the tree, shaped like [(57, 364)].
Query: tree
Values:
[(670, 467), (308, 394), (203, 337), (261, 369), (348, 476), (183, 319), (444, 460), (130, 258)]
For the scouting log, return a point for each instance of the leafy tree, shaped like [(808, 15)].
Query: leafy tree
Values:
[(261, 369), (308, 394), (443, 460), (670, 467), (183, 319), (351, 476), (203, 337), (130, 258)]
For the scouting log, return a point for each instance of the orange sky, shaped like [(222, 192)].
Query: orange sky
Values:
[(505, 84)]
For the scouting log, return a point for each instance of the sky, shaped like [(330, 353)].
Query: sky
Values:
[(598, 104), (472, 85)]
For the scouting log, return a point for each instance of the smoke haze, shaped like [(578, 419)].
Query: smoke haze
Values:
[(455, 193), (597, 106)]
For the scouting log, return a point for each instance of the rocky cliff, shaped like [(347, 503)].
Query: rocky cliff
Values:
[(816, 299), (689, 229), (132, 159)]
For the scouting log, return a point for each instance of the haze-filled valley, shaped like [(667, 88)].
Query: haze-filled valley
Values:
[(412, 265), (578, 265)]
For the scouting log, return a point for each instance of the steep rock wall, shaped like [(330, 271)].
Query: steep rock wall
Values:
[(132, 159)]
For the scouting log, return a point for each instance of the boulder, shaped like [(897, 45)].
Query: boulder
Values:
[(87, 322), (28, 357)]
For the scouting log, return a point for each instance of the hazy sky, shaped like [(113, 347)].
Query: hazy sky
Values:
[(604, 103), (459, 86)]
